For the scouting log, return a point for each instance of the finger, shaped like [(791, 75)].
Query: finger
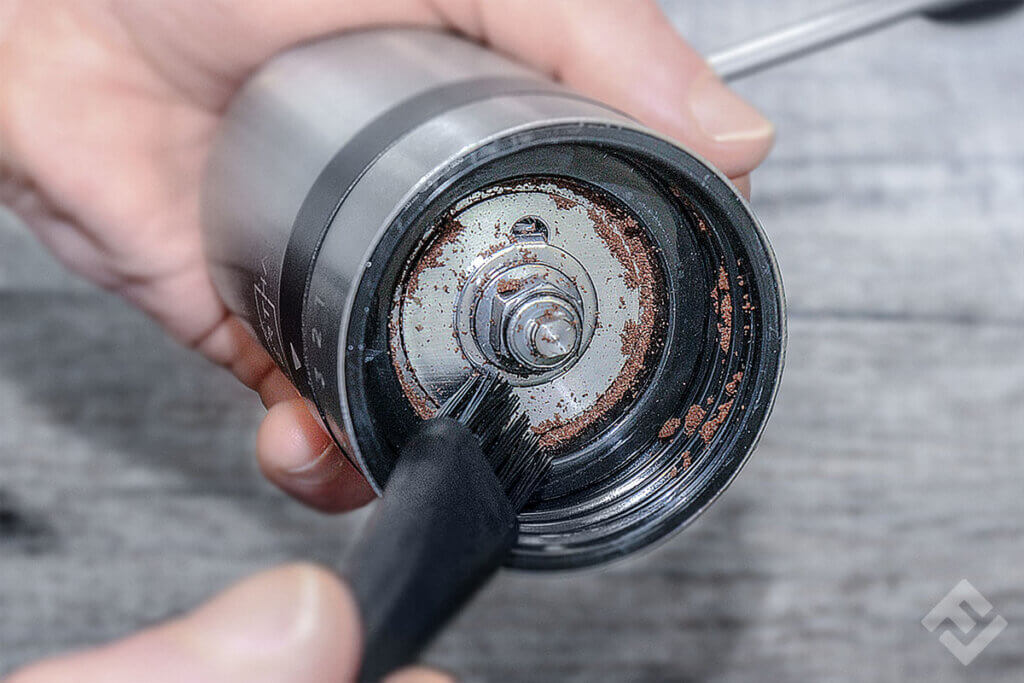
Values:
[(296, 453), (293, 447), (628, 55), (230, 344), (294, 624), (419, 674)]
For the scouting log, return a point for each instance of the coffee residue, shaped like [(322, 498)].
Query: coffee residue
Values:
[(721, 302), (733, 386), (694, 416), (669, 429), (708, 429), (723, 279), (447, 232), (509, 286)]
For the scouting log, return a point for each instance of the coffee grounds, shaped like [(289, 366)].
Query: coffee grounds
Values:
[(669, 429), (723, 279), (447, 232), (708, 429), (509, 286), (683, 465), (721, 301), (694, 416), (733, 386)]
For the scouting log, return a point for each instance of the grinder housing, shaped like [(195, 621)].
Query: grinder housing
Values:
[(391, 209)]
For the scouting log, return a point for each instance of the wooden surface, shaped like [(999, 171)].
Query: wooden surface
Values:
[(892, 468)]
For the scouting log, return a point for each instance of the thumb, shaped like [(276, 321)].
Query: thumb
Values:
[(294, 624), (629, 55)]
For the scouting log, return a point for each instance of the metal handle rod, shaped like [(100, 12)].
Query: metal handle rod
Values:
[(817, 33)]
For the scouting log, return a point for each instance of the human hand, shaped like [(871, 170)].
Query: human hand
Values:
[(295, 624), (107, 111)]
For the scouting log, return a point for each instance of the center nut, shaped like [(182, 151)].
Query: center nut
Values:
[(531, 309), (533, 319), (543, 332)]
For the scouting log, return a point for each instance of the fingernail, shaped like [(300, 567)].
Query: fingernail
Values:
[(320, 469), (418, 674), (261, 617), (723, 115)]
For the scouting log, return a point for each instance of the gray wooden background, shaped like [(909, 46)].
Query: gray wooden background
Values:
[(892, 468)]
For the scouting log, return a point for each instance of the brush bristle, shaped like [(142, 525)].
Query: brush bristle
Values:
[(486, 405)]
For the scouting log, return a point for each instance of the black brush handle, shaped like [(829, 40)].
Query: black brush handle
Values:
[(439, 532)]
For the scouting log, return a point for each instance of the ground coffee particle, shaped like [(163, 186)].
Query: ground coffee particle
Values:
[(509, 286), (721, 301), (694, 416), (447, 232), (708, 429), (723, 279), (669, 429), (733, 386)]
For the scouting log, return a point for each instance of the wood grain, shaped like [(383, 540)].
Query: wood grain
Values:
[(891, 469)]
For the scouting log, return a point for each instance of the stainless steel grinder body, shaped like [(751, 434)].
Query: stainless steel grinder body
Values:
[(389, 209)]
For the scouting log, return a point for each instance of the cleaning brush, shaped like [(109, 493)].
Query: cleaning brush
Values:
[(446, 520)]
